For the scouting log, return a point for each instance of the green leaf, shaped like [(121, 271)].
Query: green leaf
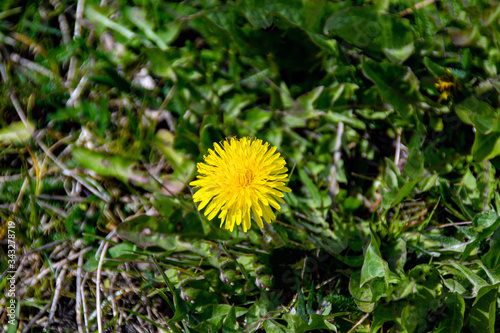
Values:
[(473, 111), (16, 133), (467, 58), (123, 251), (462, 37), (362, 295), (200, 298), (214, 34), (485, 146), (492, 258), (295, 323), (404, 191), (98, 15), (483, 231), (312, 190), (308, 100), (183, 166), (348, 119), (454, 286), (396, 254), (415, 164), (482, 314), (484, 220), (116, 166), (164, 141), (374, 266), (454, 318), (364, 27), (148, 231), (393, 180), (138, 16), (256, 118), (209, 131), (230, 325), (391, 176), (233, 106), (381, 315), (434, 68), (271, 326), (397, 85), (301, 306), (309, 15), (181, 308), (491, 14), (493, 274), (286, 98), (473, 278), (219, 315), (165, 205), (319, 322), (75, 217)]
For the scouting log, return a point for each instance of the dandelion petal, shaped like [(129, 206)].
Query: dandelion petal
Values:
[(241, 178)]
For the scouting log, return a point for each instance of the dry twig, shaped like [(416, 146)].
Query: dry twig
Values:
[(79, 292), (26, 329), (359, 323), (57, 293), (333, 188), (417, 6), (98, 288)]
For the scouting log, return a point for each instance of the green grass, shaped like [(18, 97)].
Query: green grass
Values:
[(387, 116)]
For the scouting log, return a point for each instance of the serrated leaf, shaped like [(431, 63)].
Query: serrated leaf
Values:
[(473, 278), (454, 286), (301, 306), (483, 233), (493, 275), (484, 220)]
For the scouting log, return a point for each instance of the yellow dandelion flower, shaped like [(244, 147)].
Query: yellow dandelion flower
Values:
[(446, 86), (241, 177)]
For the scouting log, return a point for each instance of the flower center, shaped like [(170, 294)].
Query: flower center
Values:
[(244, 177)]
